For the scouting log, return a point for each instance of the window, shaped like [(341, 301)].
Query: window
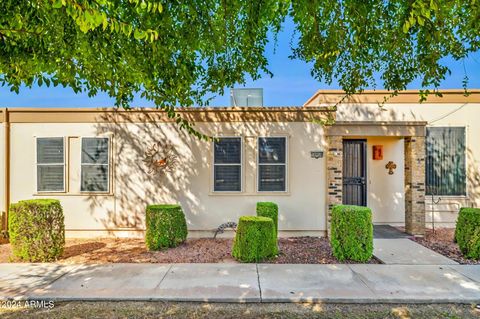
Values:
[(227, 164), (445, 161), (50, 164), (95, 164), (272, 164)]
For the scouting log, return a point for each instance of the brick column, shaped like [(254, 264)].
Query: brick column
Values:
[(334, 174), (415, 185)]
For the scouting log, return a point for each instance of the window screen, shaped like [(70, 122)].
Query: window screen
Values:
[(272, 164), (50, 164), (95, 164), (227, 164), (445, 161)]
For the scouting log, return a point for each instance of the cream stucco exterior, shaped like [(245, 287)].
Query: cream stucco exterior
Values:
[(303, 207), (465, 114), (385, 193), (132, 188)]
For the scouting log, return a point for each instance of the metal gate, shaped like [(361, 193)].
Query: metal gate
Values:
[(355, 172)]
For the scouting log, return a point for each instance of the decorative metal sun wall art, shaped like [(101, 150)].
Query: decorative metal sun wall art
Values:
[(160, 158)]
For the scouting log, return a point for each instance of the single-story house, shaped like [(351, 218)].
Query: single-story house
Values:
[(413, 164)]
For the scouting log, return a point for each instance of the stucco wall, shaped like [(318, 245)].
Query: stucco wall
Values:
[(302, 208), (385, 193), (440, 114)]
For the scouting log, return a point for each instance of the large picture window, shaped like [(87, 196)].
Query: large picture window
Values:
[(50, 164), (227, 164), (445, 161), (272, 164), (95, 164)]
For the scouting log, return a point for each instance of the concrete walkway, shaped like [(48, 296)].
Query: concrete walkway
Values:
[(402, 251), (392, 247), (359, 283)]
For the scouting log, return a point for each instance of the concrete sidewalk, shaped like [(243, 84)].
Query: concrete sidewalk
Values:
[(356, 283)]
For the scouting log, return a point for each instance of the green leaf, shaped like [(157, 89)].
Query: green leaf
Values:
[(138, 34), (206, 46), (104, 21), (56, 4), (421, 20)]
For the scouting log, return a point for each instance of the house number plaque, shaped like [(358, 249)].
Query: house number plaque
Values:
[(316, 154)]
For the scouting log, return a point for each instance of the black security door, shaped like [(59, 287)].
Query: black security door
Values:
[(354, 172)]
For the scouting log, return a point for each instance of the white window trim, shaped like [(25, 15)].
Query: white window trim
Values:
[(229, 164), (257, 179), (109, 164), (64, 164)]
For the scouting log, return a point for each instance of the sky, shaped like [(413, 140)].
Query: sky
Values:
[(291, 84)]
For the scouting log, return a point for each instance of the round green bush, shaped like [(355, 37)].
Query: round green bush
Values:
[(351, 234), (166, 226), (467, 232), (37, 230), (269, 209), (255, 239)]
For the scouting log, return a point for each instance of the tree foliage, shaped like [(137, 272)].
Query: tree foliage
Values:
[(352, 41), (183, 52)]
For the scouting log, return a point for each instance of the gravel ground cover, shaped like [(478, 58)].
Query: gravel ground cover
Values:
[(441, 241), (293, 250)]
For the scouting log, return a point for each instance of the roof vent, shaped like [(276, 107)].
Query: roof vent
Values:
[(246, 97)]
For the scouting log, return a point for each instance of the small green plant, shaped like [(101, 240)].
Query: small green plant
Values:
[(269, 209), (37, 230), (255, 239), (467, 232), (166, 226), (351, 233)]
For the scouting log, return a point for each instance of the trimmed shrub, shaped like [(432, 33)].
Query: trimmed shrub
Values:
[(351, 233), (37, 229), (255, 239), (269, 209), (467, 232), (166, 226)]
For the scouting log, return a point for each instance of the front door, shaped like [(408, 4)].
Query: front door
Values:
[(355, 172)]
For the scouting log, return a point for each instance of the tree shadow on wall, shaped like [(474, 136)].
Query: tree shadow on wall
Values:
[(133, 187), (134, 132)]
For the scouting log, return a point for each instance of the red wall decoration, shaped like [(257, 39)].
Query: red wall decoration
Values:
[(378, 152)]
